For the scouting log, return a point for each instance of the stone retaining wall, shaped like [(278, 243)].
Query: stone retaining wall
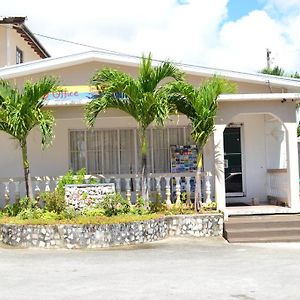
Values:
[(97, 236)]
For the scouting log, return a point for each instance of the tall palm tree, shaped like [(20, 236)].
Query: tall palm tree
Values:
[(21, 111), (200, 106), (143, 98)]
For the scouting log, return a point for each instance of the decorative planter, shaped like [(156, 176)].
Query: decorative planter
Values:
[(97, 236)]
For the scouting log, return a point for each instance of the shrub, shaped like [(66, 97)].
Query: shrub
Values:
[(30, 213), (11, 210), (92, 212), (209, 206), (50, 215), (141, 207), (54, 201), (69, 213), (71, 178), (114, 205), (157, 205)]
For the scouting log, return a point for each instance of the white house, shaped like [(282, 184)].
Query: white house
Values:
[(252, 155)]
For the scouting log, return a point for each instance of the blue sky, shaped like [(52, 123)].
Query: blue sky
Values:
[(240, 8)]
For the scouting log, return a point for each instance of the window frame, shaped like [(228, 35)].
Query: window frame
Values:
[(135, 143), (19, 56)]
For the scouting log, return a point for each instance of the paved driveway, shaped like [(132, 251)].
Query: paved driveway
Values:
[(181, 268)]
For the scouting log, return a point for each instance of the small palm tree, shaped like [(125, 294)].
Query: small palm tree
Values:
[(200, 106), (21, 111), (143, 98)]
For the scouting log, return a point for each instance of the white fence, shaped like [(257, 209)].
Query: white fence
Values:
[(277, 184), (168, 186)]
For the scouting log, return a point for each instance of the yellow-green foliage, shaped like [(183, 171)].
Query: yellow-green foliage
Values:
[(79, 219)]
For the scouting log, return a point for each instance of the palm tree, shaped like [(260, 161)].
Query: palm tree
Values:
[(200, 106), (21, 111), (143, 98)]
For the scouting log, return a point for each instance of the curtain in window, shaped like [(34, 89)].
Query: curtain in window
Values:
[(127, 151), (114, 151), (94, 152), (160, 148), (110, 152), (77, 150)]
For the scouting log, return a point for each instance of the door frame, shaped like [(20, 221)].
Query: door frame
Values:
[(243, 193)]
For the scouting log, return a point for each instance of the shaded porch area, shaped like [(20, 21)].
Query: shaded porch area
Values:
[(256, 167)]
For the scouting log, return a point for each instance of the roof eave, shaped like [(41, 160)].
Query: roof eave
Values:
[(76, 59)]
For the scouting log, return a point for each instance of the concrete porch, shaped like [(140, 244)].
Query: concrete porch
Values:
[(259, 210)]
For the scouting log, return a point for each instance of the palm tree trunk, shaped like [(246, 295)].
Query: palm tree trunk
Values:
[(197, 203), (143, 140), (28, 183)]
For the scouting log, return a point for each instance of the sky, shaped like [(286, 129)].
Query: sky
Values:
[(228, 34)]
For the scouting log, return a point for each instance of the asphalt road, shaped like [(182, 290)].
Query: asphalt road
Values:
[(181, 268)]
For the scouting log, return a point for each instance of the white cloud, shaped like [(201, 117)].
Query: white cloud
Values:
[(196, 32), (283, 6), (243, 43)]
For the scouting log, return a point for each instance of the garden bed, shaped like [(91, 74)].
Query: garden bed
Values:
[(75, 235)]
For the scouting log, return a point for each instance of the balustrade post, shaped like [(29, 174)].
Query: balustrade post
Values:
[(168, 191), (188, 190), (149, 186), (158, 188), (207, 187), (178, 192), (128, 192), (6, 192), (17, 189), (137, 186), (37, 189), (47, 184), (118, 185)]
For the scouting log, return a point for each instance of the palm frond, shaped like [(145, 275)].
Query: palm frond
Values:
[(199, 105), (151, 76), (34, 93), (45, 121), (143, 98)]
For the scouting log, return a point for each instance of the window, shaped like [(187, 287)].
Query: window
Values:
[(19, 56), (117, 151)]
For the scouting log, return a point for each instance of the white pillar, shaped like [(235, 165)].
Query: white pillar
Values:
[(292, 165), (220, 196)]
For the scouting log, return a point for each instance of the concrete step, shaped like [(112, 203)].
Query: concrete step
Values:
[(263, 228), (287, 239), (263, 224), (263, 233)]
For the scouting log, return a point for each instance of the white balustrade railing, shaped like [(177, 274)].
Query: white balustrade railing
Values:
[(171, 187), (277, 183)]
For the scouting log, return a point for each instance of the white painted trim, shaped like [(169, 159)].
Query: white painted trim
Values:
[(259, 97), (49, 64), (222, 98)]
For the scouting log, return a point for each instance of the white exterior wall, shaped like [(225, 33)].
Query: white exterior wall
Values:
[(54, 161)]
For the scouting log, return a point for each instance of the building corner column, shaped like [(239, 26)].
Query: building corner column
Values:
[(292, 166), (220, 196)]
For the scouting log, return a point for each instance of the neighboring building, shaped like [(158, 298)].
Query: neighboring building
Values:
[(252, 154), (17, 43)]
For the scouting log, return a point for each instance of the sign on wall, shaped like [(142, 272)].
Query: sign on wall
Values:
[(75, 94)]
